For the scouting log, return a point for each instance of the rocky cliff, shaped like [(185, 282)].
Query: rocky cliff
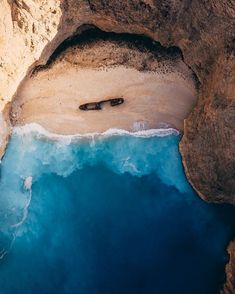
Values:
[(229, 286), (203, 30)]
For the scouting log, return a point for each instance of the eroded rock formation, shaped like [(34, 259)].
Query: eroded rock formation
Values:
[(26, 27), (208, 145), (229, 287), (157, 86)]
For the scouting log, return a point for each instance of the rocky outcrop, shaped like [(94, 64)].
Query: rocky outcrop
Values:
[(4, 128), (229, 287), (26, 27), (208, 145)]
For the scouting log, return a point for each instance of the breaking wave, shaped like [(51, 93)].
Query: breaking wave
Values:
[(120, 150), (33, 152), (39, 132)]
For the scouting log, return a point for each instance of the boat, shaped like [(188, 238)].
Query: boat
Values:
[(90, 106), (98, 105), (116, 101)]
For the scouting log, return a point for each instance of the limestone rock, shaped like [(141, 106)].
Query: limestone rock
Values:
[(229, 287), (26, 27)]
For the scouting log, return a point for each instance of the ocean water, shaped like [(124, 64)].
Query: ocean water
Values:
[(108, 213)]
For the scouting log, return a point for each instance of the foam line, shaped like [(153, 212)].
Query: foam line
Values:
[(39, 131), (25, 211)]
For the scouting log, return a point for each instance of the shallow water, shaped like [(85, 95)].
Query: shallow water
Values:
[(106, 214)]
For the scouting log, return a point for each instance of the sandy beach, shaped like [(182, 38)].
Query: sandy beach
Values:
[(51, 97)]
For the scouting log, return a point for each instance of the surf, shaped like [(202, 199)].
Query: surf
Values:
[(112, 208)]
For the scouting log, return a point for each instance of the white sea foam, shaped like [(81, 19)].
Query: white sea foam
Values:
[(28, 183), (35, 157), (25, 211), (5, 251), (39, 131)]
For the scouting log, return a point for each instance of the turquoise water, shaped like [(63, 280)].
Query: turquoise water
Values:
[(106, 214)]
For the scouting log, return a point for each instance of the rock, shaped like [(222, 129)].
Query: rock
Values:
[(229, 286), (208, 145), (4, 129), (26, 27)]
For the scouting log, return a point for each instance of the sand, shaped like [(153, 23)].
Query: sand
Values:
[(157, 87), (52, 99)]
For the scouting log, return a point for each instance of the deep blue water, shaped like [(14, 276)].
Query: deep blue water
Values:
[(106, 215)]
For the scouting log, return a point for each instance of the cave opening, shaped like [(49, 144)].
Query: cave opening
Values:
[(159, 89), (89, 34)]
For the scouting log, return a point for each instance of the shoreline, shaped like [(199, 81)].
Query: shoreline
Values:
[(52, 98), (156, 85), (41, 132)]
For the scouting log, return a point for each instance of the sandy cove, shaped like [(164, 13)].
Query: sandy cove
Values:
[(52, 98)]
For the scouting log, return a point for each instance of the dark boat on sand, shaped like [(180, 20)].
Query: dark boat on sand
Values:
[(116, 101), (97, 105), (90, 106)]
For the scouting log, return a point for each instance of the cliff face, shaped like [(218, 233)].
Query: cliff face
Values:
[(203, 30), (26, 27), (208, 145), (229, 286)]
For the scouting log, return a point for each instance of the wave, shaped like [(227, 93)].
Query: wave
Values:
[(120, 150), (40, 132), (12, 230), (39, 152), (25, 211)]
